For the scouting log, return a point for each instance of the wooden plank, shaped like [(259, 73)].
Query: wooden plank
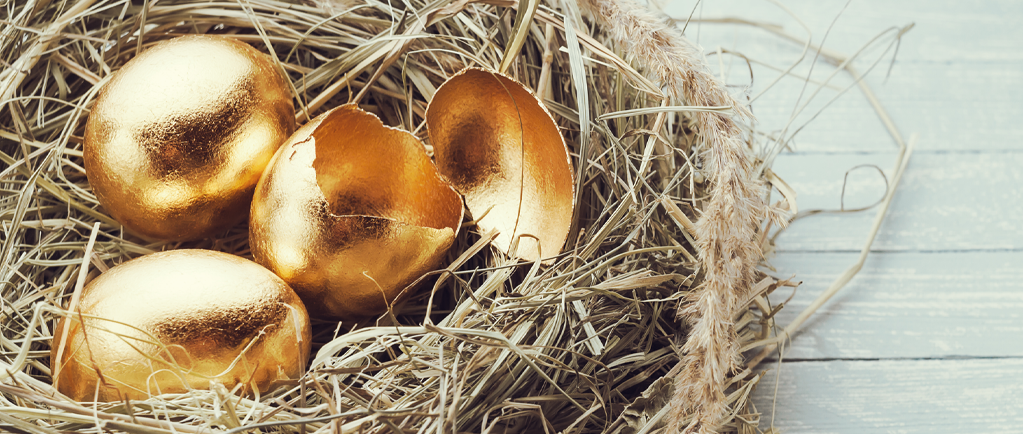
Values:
[(955, 81), (952, 106), (903, 396), (907, 305), (946, 31), (946, 283), (946, 202)]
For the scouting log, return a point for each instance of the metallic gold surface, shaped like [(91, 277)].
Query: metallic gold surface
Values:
[(501, 149), (350, 212), (177, 320), (180, 135)]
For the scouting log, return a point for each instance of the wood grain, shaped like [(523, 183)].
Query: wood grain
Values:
[(953, 106), (957, 79), (946, 202), (928, 337), (907, 305), (895, 396), (948, 30)]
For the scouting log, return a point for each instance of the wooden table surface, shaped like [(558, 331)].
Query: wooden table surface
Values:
[(928, 337)]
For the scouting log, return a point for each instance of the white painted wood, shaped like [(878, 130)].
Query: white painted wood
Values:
[(957, 79), (952, 106), (929, 337), (894, 396), (901, 305), (947, 30), (946, 202)]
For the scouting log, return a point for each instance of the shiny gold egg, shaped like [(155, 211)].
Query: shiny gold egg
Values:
[(177, 320), (500, 148), (180, 135), (350, 212)]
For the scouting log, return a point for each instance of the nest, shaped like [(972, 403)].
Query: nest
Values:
[(591, 343)]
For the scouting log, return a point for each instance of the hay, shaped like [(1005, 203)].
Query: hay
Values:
[(487, 345)]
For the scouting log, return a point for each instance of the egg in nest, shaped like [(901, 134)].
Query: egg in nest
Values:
[(179, 137), (177, 320)]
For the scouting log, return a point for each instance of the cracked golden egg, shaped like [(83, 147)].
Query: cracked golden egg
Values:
[(177, 320), (502, 150), (350, 212), (180, 135)]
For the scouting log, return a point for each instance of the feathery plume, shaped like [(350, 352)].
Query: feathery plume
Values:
[(726, 233)]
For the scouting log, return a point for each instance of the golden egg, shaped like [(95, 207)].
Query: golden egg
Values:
[(177, 320), (500, 148), (350, 212), (178, 138)]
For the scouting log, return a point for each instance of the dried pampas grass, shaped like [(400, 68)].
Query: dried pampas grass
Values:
[(727, 231)]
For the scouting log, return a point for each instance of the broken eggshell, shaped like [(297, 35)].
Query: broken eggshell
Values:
[(500, 148), (177, 320), (350, 212)]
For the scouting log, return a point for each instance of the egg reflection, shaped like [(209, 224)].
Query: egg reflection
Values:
[(500, 148), (350, 212), (179, 320), (180, 135)]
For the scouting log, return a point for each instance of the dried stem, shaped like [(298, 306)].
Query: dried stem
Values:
[(726, 233)]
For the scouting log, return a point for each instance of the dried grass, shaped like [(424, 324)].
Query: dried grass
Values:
[(587, 344), (727, 230)]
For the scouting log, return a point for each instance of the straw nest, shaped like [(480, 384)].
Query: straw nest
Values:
[(594, 342)]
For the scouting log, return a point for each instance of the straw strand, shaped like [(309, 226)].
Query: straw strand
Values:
[(726, 233)]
